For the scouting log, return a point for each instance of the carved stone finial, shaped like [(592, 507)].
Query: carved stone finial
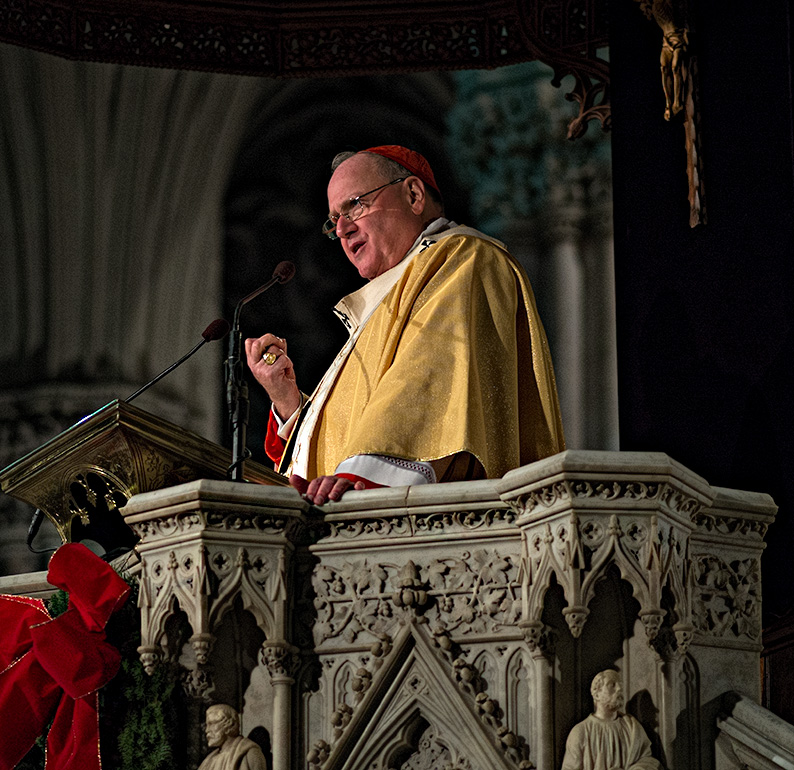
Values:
[(464, 673), (361, 683), (380, 650), (411, 591), (340, 719)]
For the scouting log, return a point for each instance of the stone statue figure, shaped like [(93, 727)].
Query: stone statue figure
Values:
[(608, 739), (230, 751)]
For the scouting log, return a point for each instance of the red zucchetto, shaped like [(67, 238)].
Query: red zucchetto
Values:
[(409, 159)]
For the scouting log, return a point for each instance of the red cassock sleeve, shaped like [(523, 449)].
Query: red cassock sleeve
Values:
[(274, 444), (355, 479)]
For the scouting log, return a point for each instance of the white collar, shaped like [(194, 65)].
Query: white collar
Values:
[(354, 309)]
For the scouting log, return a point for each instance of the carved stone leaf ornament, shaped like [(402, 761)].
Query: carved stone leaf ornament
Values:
[(727, 597), (478, 593)]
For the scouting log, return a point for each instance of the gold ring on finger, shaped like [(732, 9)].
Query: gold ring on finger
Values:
[(269, 358)]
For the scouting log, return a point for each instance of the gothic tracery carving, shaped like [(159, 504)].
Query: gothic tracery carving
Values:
[(346, 41), (649, 553)]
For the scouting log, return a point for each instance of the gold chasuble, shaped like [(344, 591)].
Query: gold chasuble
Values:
[(453, 359)]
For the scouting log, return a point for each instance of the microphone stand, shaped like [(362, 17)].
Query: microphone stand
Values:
[(237, 398), (236, 386)]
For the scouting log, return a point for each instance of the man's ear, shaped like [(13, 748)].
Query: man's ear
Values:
[(417, 195)]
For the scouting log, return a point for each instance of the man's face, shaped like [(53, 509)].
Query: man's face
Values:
[(611, 694), (216, 734), (382, 235)]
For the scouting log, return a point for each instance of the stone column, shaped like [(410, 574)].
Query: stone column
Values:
[(281, 660)]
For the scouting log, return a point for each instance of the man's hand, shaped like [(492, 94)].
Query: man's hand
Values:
[(277, 378), (324, 488)]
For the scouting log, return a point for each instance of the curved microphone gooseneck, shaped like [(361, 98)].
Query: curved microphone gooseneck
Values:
[(236, 386), (217, 330)]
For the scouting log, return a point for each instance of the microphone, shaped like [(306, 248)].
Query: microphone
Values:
[(236, 386), (285, 271), (217, 330)]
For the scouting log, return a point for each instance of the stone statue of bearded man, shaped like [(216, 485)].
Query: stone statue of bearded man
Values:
[(608, 739), (230, 751)]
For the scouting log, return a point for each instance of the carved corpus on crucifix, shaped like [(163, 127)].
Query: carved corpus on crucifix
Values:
[(679, 72)]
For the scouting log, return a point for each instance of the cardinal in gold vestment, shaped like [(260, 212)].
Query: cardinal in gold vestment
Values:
[(446, 374), (453, 360)]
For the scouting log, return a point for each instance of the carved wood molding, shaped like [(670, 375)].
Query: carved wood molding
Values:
[(311, 38)]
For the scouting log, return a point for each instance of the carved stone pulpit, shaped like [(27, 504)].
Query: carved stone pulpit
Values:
[(458, 625)]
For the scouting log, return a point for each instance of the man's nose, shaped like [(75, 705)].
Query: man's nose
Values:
[(344, 227)]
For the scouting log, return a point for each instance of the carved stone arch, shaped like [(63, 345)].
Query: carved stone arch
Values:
[(234, 658), (543, 566), (519, 681), (428, 749), (615, 613), (487, 667), (416, 685), (406, 742), (560, 551), (239, 581), (612, 638), (174, 586), (340, 691), (175, 631), (684, 749), (611, 554)]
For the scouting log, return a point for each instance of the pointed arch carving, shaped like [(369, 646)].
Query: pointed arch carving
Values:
[(650, 552), (422, 690), (519, 681), (204, 576), (247, 578)]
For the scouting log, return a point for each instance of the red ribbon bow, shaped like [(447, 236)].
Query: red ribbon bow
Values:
[(57, 665)]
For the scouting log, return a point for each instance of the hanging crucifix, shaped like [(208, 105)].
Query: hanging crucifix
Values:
[(679, 82)]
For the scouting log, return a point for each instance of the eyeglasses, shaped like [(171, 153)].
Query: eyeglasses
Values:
[(355, 208)]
